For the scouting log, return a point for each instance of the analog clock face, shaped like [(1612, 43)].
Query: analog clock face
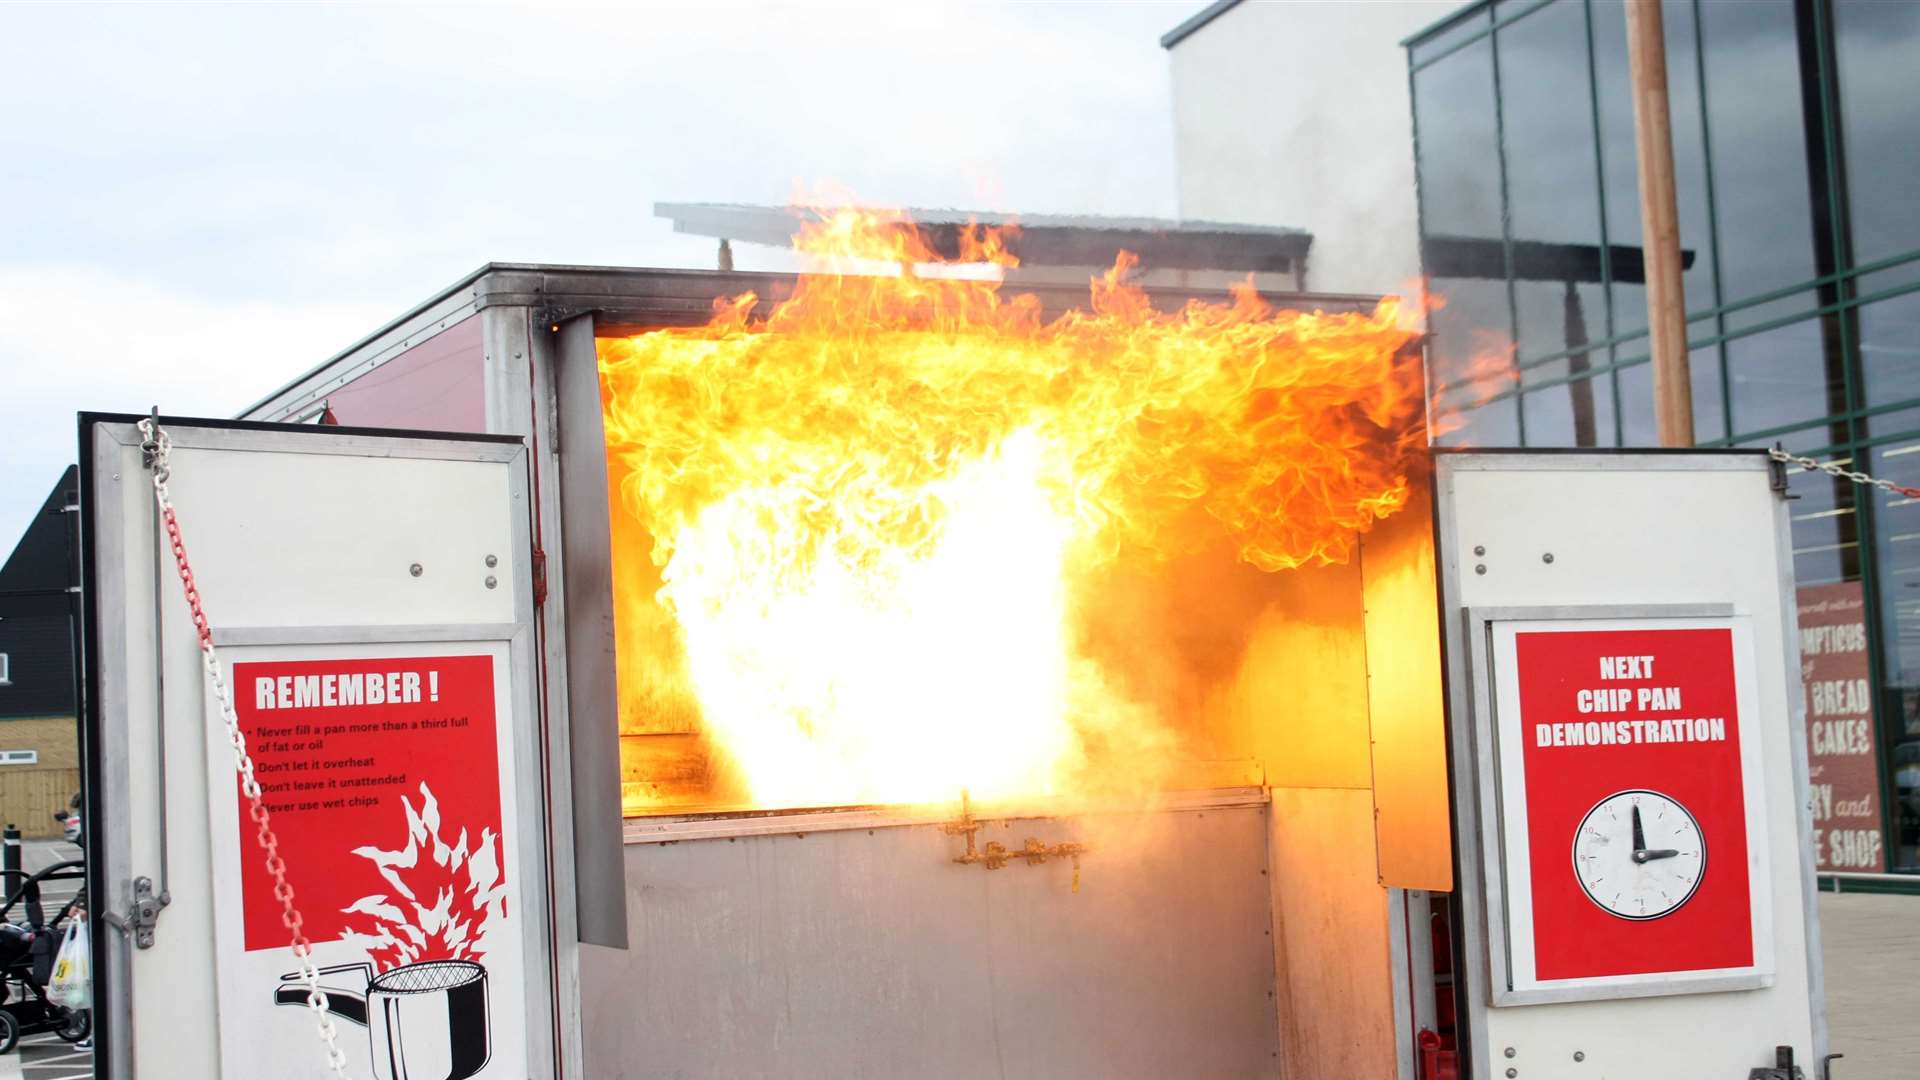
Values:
[(1639, 854)]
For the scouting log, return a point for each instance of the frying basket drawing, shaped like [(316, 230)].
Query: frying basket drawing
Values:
[(424, 1021)]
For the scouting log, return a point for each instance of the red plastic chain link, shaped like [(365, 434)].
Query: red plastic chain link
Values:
[(256, 809), (186, 578)]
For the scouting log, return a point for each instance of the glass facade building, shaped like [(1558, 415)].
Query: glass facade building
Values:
[(1797, 160)]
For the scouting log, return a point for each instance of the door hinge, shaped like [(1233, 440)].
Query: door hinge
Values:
[(539, 577), (144, 915), (1783, 1067)]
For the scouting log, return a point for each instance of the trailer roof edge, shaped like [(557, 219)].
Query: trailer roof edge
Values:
[(636, 298)]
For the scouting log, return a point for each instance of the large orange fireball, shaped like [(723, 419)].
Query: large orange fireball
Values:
[(856, 542)]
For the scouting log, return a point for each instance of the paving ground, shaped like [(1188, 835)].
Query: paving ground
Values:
[(1872, 946), (43, 1057)]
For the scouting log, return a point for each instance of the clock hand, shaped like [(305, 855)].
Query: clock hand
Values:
[(1639, 837), (1645, 856)]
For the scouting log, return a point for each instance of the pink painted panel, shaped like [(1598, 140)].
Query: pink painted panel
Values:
[(438, 385)]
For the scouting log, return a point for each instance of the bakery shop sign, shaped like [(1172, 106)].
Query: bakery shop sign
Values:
[(1843, 758)]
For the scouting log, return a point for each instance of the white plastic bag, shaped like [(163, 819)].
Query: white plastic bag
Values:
[(72, 984)]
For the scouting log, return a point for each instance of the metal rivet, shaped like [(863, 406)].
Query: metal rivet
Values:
[(492, 562), (1547, 558), (1510, 1051), (1480, 568), (1479, 549), (1513, 1072), (416, 569), (492, 581), (1579, 1055)]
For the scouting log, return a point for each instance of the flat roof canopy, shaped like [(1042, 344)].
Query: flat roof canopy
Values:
[(1536, 260), (1040, 240)]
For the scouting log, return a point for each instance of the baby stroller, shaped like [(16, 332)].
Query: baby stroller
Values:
[(28, 942)]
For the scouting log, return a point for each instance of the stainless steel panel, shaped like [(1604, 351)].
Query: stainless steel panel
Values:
[(593, 713), (160, 1004), (871, 954), (520, 401), (123, 688), (1686, 561), (1406, 714), (1690, 460), (1802, 781)]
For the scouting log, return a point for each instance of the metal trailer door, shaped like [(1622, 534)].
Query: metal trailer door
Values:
[(1628, 752), (370, 599)]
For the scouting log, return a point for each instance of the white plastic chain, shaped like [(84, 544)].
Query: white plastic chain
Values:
[(1834, 468), (158, 447)]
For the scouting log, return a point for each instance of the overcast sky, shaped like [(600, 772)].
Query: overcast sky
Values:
[(197, 203)]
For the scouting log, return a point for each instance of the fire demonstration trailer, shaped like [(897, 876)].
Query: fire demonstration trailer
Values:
[(1517, 789)]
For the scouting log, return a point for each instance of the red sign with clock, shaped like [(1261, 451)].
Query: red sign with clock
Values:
[(1634, 801)]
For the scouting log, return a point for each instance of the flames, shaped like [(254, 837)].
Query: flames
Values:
[(440, 908), (860, 541)]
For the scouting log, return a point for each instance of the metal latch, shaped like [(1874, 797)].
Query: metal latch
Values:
[(1783, 1067), (1777, 471), (144, 915)]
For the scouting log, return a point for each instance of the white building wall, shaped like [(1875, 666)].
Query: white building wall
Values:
[(1297, 114)]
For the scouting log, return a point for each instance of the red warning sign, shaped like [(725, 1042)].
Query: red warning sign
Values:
[(1634, 801), (382, 779)]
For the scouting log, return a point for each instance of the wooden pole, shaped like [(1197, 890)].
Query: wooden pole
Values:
[(1660, 224)]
